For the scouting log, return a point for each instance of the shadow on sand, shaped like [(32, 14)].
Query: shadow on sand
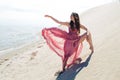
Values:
[(71, 73)]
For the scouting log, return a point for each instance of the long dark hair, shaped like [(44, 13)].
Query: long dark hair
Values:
[(76, 24)]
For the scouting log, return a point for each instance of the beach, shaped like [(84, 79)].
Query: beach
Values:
[(36, 61)]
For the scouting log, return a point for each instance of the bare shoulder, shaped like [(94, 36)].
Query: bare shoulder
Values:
[(83, 27)]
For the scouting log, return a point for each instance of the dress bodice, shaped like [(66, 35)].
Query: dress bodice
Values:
[(73, 34)]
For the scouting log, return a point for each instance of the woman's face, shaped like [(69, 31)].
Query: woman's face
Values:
[(72, 18)]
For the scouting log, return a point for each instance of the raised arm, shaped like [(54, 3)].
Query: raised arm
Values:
[(59, 22)]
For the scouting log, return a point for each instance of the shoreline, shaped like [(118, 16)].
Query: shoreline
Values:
[(11, 52)]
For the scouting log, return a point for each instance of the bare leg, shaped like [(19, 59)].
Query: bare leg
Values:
[(89, 40), (63, 67), (64, 63)]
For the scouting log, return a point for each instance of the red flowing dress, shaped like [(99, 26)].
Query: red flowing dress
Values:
[(64, 44)]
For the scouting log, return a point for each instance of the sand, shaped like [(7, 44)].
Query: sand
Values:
[(38, 62)]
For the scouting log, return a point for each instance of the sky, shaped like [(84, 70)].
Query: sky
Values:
[(31, 12)]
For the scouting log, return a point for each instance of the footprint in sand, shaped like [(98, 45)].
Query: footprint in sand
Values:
[(6, 59), (41, 45), (2, 61), (33, 55)]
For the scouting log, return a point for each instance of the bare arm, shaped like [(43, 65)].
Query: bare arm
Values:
[(59, 22), (84, 28)]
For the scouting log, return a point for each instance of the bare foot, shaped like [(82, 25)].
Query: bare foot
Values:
[(92, 49), (78, 60), (58, 73)]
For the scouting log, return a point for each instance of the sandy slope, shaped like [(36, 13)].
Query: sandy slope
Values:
[(41, 63)]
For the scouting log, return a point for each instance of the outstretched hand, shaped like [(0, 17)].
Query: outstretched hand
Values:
[(47, 16)]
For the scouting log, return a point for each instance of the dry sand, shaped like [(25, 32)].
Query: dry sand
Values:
[(38, 62)]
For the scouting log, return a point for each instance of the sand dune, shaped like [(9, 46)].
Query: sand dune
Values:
[(40, 63)]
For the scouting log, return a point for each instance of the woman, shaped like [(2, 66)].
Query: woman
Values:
[(67, 45)]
